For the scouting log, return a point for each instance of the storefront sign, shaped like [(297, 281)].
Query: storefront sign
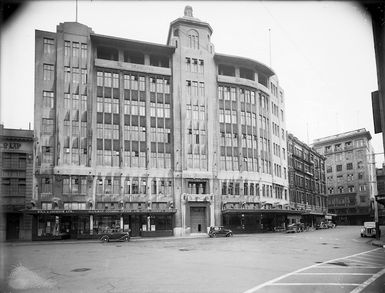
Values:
[(54, 211), (11, 145)]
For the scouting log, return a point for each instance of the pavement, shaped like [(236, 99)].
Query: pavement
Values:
[(85, 241), (379, 242)]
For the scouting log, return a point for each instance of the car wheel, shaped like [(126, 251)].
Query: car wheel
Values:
[(106, 239), (229, 235), (127, 238), (214, 235)]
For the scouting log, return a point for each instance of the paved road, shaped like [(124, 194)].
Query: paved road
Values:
[(235, 264), (353, 273)]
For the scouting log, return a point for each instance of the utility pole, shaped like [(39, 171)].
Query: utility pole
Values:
[(270, 45)]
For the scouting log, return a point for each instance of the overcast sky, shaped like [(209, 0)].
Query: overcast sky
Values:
[(322, 52)]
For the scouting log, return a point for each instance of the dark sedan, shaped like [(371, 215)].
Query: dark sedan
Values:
[(216, 231), (115, 234)]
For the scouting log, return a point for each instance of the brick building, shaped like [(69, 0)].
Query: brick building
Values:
[(307, 185), (159, 139)]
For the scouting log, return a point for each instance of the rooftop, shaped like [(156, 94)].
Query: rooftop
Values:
[(362, 132)]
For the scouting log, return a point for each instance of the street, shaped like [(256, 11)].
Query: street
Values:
[(243, 263)]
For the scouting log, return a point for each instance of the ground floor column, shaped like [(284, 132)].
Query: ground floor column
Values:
[(212, 214), (91, 224)]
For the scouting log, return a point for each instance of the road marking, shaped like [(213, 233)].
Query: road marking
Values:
[(367, 262), (256, 288), (315, 284), (350, 274), (368, 282), (342, 267), (369, 257)]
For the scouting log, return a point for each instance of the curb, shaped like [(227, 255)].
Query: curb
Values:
[(378, 243), (133, 239)]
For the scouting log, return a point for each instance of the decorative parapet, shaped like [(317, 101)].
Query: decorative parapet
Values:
[(198, 197)]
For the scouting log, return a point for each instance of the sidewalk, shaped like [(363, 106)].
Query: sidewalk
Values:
[(84, 241), (379, 242)]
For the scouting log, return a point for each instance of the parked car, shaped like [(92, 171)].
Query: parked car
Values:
[(322, 225), (369, 229), (330, 224), (295, 228), (115, 234), (216, 231)]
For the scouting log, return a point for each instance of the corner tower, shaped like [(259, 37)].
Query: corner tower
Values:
[(194, 92)]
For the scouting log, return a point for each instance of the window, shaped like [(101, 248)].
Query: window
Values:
[(339, 168), (84, 51), (67, 48), (349, 166), (48, 72), (46, 185), (48, 45), (363, 187), (48, 99), (193, 39), (329, 169), (47, 126), (75, 49)]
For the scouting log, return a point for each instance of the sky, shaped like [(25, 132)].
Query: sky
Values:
[(322, 53)]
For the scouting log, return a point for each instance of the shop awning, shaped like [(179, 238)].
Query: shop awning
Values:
[(99, 212), (261, 211)]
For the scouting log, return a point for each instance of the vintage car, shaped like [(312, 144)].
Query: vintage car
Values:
[(295, 228), (114, 235), (216, 231), (369, 229)]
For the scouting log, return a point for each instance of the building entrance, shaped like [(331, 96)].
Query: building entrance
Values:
[(13, 226), (198, 219)]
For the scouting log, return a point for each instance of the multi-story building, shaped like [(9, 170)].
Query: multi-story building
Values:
[(159, 139), (307, 185), (350, 175), (16, 169), (380, 175)]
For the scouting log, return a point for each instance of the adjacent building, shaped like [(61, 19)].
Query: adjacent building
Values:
[(159, 139), (16, 149), (307, 185), (380, 174), (350, 175)]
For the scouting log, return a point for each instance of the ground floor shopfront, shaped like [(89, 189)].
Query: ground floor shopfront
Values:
[(15, 225), (60, 224), (197, 218), (264, 220)]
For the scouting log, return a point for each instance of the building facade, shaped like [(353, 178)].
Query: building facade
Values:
[(159, 139), (307, 183), (380, 174), (350, 175), (15, 183)]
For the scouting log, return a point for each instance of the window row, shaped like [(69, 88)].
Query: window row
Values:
[(194, 65), (195, 88), (76, 48)]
